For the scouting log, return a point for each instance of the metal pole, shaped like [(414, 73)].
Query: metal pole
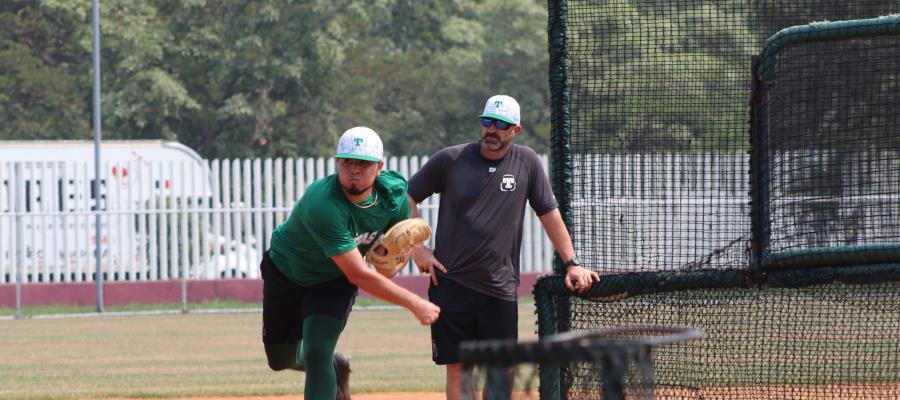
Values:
[(19, 208), (184, 240), (98, 273)]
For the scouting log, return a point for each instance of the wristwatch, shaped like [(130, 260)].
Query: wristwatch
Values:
[(573, 261)]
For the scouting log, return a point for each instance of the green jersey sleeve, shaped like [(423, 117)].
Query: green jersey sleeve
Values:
[(327, 227)]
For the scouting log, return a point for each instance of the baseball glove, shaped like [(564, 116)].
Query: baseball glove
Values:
[(391, 251)]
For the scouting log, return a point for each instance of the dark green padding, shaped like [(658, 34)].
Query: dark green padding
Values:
[(834, 256)]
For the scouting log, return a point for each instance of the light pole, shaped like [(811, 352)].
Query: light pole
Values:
[(98, 274)]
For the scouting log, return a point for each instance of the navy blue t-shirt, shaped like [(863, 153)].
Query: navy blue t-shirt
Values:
[(479, 231)]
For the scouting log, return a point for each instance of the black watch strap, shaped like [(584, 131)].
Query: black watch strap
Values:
[(573, 261)]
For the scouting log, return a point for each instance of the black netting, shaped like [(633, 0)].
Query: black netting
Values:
[(833, 151), (759, 341), (831, 341), (651, 123), (652, 159)]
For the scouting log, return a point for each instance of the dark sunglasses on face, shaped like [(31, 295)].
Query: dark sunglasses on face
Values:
[(487, 122)]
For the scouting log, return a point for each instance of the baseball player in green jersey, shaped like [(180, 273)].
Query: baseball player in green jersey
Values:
[(314, 266)]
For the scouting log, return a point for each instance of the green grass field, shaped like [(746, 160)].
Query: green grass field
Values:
[(201, 354), (214, 305)]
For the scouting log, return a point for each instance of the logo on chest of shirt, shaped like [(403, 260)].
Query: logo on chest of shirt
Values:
[(367, 238), (508, 183)]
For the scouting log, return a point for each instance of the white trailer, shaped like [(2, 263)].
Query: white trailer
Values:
[(126, 165), (47, 219)]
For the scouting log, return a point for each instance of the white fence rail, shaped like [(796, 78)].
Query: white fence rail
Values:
[(168, 220)]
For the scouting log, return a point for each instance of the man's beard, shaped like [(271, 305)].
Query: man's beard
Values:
[(497, 143), (357, 191)]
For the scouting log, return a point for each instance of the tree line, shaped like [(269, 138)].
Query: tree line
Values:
[(273, 78), (284, 78)]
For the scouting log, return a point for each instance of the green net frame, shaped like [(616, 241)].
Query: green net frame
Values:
[(824, 110)]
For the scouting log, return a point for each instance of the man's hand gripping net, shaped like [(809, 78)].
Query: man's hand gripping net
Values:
[(391, 252)]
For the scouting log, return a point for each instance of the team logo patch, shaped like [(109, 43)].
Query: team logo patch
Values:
[(508, 183)]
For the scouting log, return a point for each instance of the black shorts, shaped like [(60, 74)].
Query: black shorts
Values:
[(286, 304), (468, 315)]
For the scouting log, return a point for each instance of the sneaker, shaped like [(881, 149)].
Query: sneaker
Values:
[(342, 372)]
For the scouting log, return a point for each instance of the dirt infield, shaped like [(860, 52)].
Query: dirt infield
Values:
[(761, 392), (360, 396), (859, 391)]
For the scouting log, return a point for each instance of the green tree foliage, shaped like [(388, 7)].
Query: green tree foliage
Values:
[(262, 78), (41, 95), (244, 78)]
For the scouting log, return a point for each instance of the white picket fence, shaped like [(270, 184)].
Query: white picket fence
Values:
[(197, 219), (169, 220), (639, 212)]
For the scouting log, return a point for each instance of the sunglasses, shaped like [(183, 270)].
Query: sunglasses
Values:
[(487, 122)]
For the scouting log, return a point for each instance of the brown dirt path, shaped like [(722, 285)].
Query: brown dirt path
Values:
[(760, 392), (360, 396)]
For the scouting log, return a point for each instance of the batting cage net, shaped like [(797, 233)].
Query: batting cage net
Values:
[(828, 106), (782, 245)]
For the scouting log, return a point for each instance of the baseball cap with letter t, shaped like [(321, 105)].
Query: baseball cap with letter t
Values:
[(503, 108), (360, 143)]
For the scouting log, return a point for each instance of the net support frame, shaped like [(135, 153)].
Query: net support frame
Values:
[(764, 78)]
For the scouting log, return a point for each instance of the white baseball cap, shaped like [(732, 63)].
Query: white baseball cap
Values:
[(503, 108), (360, 143)]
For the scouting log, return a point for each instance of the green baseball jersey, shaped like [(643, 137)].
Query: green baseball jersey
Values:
[(324, 223)]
